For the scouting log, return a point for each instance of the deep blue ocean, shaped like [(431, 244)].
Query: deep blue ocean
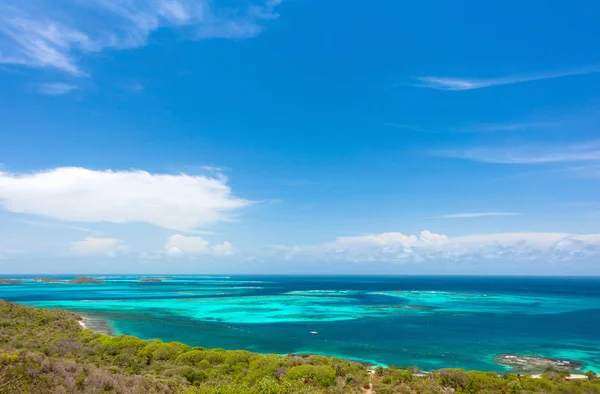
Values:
[(430, 322)]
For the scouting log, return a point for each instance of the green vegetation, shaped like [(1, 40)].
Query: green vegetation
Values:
[(47, 351), (11, 282)]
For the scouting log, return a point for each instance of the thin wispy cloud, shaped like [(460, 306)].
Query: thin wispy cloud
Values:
[(469, 215), (42, 35), (297, 182), (480, 128), (135, 87), (56, 89), (414, 128), (443, 83), (586, 151), (494, 127), (585, 171)]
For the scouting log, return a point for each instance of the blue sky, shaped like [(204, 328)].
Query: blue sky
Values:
[(299, 136)]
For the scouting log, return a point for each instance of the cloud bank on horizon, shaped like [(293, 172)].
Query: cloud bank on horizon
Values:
[(395, 247)]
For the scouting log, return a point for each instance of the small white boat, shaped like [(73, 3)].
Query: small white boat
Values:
[(314, 333)]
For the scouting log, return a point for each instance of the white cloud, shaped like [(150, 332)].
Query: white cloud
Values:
[(442, 83), (180, 245), (37, 34), (57, 225), (224, 249), (56, 89), (180, 202), (98, 247), (427, 246), (587, 151), (468, 215)]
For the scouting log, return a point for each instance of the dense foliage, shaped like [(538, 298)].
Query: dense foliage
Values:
[(47, 351)]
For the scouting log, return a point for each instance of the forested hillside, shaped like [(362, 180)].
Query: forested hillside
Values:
[(47, 351)]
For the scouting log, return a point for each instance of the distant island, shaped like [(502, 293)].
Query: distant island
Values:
[(50, 350), (85, 280), (77, 281), (11, 282)]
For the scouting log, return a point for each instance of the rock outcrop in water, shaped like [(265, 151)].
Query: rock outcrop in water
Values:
[(535, 364), (150, 280)]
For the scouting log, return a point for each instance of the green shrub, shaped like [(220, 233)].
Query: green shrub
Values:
[(169, 351), (193, 357), (319, 375)]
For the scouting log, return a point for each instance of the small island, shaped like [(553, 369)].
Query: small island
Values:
[(535, 364), (11, 282), (80, 280), (150, 280)]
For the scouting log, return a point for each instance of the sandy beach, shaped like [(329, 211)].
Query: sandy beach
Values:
[(575, 376)]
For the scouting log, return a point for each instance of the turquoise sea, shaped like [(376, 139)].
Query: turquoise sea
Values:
[(430, 322)]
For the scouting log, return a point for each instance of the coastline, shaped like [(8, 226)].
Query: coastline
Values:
[(218, 370), (101, 326), (179, 311), (96, 324)]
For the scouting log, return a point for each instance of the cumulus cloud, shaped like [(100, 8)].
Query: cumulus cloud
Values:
[(180, 245), (180, 202), (429, 246), (98, 247), (35, 33)]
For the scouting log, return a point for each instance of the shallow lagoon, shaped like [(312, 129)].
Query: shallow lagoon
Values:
[(431, 322)]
